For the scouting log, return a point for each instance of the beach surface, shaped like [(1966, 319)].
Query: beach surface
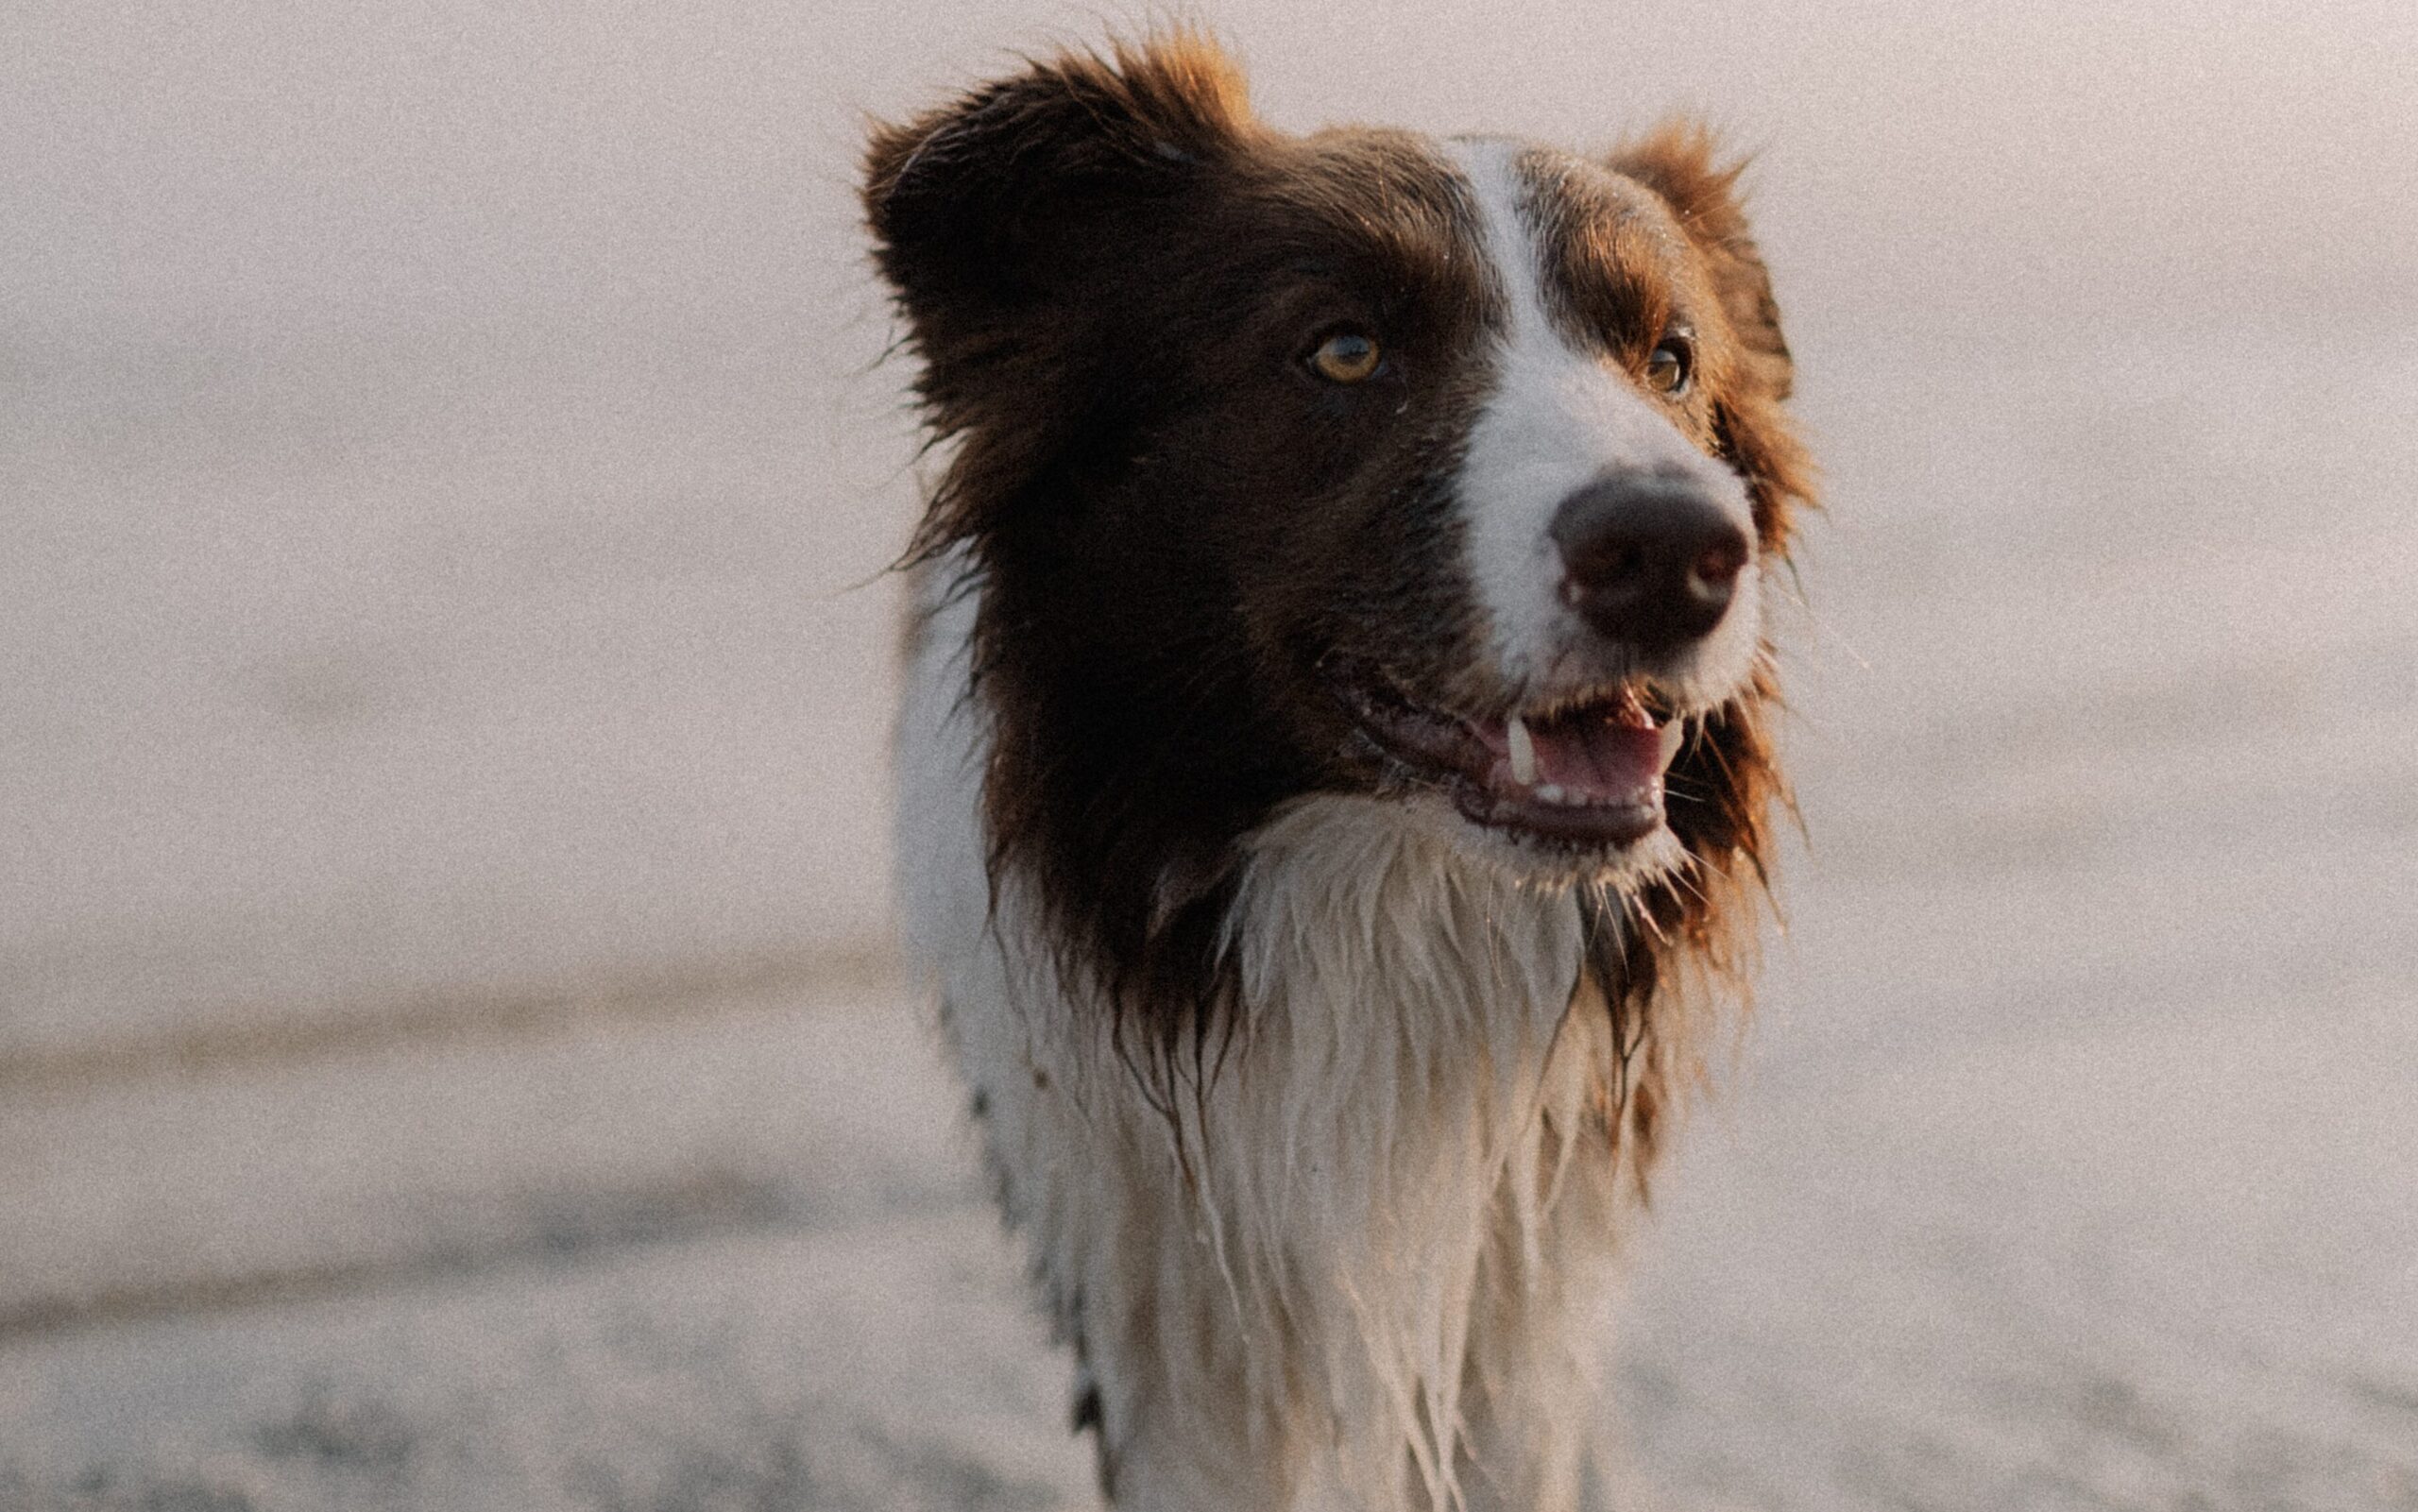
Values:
[(451, 1052)]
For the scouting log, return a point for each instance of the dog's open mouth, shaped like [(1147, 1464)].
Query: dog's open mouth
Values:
[(1586, 774)]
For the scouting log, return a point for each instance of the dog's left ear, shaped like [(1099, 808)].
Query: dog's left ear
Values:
[(1680, 162)]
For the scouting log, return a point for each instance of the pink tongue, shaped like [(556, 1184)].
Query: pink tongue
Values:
[(1596, 757)]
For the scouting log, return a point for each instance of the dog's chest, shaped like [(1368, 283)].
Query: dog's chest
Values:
[(1378, 1190)]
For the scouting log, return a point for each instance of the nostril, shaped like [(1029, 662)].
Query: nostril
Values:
[(1602, 560), (1718, 569)]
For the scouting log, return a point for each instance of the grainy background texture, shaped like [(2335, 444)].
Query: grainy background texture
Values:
[(448, 1053)]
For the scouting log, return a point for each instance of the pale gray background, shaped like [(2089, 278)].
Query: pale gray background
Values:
[(447, 1056)]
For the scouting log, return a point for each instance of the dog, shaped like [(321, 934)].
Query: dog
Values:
[(1337, 768)]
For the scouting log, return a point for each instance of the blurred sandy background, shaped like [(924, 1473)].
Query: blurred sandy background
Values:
[(448, 1053)]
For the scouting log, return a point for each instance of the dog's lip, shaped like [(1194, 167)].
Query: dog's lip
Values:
[(1584, 770)]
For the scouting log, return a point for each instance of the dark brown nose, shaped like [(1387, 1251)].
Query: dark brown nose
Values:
[(1648, 558)]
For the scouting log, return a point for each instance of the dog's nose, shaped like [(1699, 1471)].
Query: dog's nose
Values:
[(1647, 558)]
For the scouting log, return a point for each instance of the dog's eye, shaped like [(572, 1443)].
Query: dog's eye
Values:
[(1670, 366), (1347, 357)]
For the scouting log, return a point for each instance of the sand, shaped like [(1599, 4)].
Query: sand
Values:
[(448, 1054)]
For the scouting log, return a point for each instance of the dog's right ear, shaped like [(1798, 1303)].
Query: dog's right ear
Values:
[(989, 202), (1680, 160)]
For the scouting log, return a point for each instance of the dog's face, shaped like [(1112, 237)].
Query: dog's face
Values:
[(1446, 471)]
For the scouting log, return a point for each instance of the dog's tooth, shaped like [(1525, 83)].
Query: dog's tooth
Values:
[(1523, 752), (1553, 792), (1674, 732)]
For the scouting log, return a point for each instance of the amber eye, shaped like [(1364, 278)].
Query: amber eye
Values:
[(1347, 357), (1669, 367)]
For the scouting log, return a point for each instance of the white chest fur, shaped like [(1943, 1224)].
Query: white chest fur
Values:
[(1357, 1268)]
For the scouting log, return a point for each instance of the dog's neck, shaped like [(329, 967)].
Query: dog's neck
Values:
[(1395, 1115)]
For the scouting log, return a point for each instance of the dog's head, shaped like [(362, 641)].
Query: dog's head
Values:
[(1450, 473)]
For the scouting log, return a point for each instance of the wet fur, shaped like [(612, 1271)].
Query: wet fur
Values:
[(1317, 1125)]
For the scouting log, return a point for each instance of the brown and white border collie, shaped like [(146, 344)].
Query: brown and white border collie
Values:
[(1336, 764)]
